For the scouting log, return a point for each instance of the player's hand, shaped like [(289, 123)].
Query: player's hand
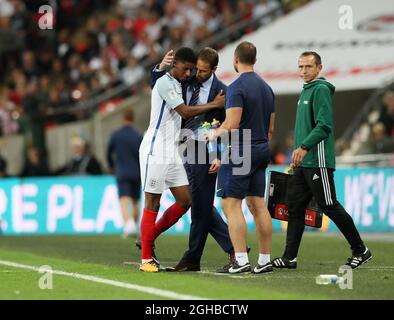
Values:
[(214, 168), (167, 60), (219, 100), (297, 156)]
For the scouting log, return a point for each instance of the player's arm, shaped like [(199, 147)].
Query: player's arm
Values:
[(232, 121), (192, 111), (234, 108)]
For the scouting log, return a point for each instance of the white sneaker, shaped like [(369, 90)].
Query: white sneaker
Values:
[(130, 228)]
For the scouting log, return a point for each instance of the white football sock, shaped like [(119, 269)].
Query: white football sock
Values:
[(145, 260), (242, 258), (264, 259)]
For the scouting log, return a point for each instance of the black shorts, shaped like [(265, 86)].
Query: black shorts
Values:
[(129, 188)]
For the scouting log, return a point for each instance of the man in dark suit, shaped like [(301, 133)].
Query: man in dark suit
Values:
[(198, 90)]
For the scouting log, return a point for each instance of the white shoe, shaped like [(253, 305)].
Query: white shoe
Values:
[(130, 229)]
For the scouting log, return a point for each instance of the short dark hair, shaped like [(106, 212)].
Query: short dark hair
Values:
[(185, 54), (210, 56), (128, 115), (314, 54), (246, 52)]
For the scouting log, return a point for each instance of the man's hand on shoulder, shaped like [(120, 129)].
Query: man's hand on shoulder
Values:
[(167, 60)]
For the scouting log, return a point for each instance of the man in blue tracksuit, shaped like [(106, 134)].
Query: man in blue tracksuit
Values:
[(200, 89), (123, 158)]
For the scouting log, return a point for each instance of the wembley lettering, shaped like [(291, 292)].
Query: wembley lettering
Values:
[(365, 190)]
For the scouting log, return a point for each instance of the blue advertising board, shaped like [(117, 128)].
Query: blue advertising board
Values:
[(89, 205)]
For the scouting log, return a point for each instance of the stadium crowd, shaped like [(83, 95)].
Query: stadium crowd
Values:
[(47, 75), (376, 134), (95, 45)]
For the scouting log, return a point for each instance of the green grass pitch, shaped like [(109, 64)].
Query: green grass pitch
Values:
[(114, 259)]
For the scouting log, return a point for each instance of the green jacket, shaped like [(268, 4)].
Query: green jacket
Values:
[(314, 127)]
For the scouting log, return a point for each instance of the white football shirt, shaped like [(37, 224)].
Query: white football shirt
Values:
[(162, 137)]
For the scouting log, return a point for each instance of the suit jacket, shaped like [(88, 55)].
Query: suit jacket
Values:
[(217, 85)]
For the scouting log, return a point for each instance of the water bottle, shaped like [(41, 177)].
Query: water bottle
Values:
[(325, 279), (207, 126)]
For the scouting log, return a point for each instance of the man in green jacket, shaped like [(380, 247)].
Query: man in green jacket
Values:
[(313, 161)]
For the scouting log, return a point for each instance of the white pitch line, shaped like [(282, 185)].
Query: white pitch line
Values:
[(229, 275), (150, 290), (134, 263), (378, 268)]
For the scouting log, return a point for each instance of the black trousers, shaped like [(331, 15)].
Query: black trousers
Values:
[(317, 182), (205, 218)]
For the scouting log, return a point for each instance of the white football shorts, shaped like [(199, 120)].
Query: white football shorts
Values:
[(159, 174)]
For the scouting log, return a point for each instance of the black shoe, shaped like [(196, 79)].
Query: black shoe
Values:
[(231, 260), (184, 265), (236, 268), (138, 243), (284, 263), (263, 268), (358, 259), (154, 258), (225, 268)]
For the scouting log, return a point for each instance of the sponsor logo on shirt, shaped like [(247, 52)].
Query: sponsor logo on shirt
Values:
[(172, 94)]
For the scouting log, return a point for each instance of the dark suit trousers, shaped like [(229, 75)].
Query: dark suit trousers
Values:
[(205, 218)]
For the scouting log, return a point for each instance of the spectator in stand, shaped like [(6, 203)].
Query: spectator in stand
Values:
[(387, 113), (29, 65), (35, 165), (3, 166), (7, 108), (133, 72), (83, 162), (99, 46), (262, 8), (379, 142)]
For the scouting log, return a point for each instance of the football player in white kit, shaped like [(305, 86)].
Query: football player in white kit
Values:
[(160, 162)]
